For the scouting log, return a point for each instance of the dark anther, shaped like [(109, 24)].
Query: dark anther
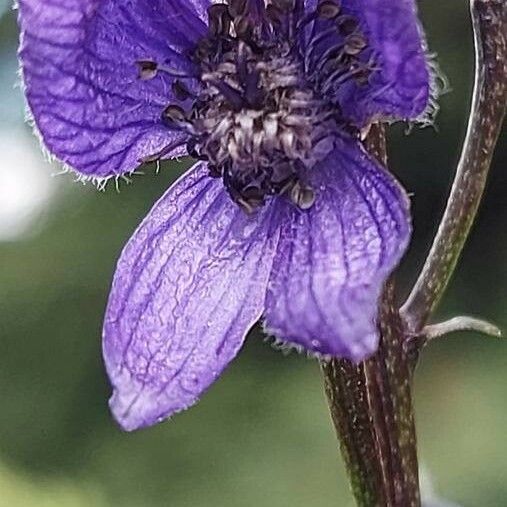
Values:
[(284, 5), (180, 90), (232, 96), (302, 195), (174, 115), (214, 171), (347, 25), (361, 72), (243, 14), (354, 44), (242, 62), (361, 78), (283, 174), (243, 27), (274, 15), (248, 205), (193, 149), (219, 20), (333, 55), (328, 9), (250, 198), (253, 92), (147, 69), (202, 50), (238, 8)]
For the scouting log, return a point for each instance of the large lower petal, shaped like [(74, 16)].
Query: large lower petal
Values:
[(82, 81), (188, 286), (334, 258)]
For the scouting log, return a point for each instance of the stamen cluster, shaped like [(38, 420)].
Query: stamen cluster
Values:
[(264, 112)]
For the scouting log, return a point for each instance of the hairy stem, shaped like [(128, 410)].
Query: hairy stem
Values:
[(371, 403), (489, 104), (463, 323), (371, 406), (415, 343)]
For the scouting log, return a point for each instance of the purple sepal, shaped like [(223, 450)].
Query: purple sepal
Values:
[(189, 285), (333, 259), (82, 81), (400, 89), (398, 86)]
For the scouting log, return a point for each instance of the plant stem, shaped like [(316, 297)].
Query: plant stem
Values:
[(489, 104), (371, 403), (371, 406)]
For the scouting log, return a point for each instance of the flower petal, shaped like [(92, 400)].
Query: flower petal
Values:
[(82, 81), (398, 86), (401, 87), (189, 285), (334, 258)]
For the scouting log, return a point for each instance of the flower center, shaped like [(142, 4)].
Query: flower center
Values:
[(264, 112), (257, 122)]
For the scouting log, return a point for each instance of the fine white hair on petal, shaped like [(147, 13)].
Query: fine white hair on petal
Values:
[(100, 182), (439, 85), (94, 125)]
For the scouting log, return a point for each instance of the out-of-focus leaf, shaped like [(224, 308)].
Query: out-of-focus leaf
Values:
[(4, 6), (19, 490)]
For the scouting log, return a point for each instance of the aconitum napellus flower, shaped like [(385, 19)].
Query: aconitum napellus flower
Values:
[(283, 218)]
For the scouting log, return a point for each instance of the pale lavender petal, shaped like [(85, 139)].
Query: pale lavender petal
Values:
[(79, 68), (188, 286), (333, 259)]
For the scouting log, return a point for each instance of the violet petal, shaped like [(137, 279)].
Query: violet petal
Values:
[(188, 286), (399, 85), (79, 63), (400, 89), (333, 259)]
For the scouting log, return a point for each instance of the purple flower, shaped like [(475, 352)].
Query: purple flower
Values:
[(284, 216)]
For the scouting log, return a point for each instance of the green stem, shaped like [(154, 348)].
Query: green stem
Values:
[(371, 406), (489, 104), (371, 403)]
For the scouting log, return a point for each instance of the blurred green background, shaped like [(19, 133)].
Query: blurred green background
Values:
[(261, 435)]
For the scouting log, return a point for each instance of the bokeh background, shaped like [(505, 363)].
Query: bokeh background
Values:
[(262, 435)]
